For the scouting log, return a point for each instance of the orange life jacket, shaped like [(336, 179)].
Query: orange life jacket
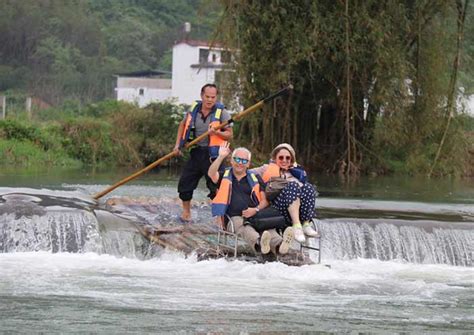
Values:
[(221, 201), (189, 129), (273, 170)]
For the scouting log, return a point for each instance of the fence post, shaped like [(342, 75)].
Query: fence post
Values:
[(28, 107), (3, 99)]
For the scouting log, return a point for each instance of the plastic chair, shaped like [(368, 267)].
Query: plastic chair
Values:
[(224, 234), (306, 245)]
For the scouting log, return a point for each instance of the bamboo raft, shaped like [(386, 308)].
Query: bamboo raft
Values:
[(159, 225)]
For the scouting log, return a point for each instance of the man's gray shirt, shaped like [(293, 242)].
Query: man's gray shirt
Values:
[(202, 125)]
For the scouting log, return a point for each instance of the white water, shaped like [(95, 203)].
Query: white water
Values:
[(43, 292)]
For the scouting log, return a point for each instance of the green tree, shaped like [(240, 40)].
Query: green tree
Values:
[(371, 80), (69, 50)]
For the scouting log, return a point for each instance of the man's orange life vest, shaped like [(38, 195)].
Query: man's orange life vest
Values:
[(189, 127), (223, 197)]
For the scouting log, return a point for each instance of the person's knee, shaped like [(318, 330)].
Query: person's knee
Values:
[(186, 196), (294, 188), (238, 223), (308, 189)]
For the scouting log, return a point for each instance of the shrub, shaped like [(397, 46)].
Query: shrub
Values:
[(150, 131), (88, 140), (27, 154)]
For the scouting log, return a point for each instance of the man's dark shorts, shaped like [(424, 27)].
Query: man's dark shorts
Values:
[(195, 168)]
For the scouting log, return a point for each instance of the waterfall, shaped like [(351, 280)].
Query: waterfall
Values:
[(58, 221), (120, 236), (54, 221), (56, 231), (410, 241)]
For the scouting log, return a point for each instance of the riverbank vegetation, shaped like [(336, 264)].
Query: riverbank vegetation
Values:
[(107, 133), (376, 84)]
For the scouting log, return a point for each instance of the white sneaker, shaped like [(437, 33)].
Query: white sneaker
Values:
[(265, 242), (288, 236), (309, 231), (299, 235)]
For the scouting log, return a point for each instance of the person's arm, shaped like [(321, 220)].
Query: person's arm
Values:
[(213, 171), (249, 212), (225, 133), (259, 170), (264, 202), (176, 148)]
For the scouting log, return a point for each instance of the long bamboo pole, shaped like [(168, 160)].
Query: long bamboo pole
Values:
[(198, 139)]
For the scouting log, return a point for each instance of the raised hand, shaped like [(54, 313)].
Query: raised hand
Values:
[(224, 149)]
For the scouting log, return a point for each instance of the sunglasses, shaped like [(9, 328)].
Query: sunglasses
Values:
[(284, 158), (239, 160)]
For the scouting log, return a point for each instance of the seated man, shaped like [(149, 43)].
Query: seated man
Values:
[(241, 196)]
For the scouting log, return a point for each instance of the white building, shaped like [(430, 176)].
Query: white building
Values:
[(143, 87), (465, 102), (470, 105), (195, 63)]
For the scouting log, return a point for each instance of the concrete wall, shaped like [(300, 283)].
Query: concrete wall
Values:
[(140, 82), (143, 91)]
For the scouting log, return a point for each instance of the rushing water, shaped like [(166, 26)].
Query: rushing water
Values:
[(400, 254), (43, 292)]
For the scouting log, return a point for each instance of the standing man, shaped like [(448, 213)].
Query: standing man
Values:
[(205, 115), (241, 196)]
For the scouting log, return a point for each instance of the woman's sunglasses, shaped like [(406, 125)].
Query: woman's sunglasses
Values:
[(239, 160), (284, 158)]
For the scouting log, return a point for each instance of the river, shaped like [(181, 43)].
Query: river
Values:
[(421, 281)]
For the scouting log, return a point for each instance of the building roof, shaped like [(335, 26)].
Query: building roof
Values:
[(200, 43), (144, 73), (208, 65)]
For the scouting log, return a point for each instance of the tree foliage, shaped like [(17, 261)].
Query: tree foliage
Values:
[(376, 82), (60, 50), (371, 80)]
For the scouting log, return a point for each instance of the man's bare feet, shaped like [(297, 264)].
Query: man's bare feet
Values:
[(186, 215)]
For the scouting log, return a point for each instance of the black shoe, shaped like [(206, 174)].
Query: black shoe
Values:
[(257, 245)]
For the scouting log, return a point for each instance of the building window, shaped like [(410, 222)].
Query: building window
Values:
[(203, 56), (225, 57), (214, 58), (141, 91)]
